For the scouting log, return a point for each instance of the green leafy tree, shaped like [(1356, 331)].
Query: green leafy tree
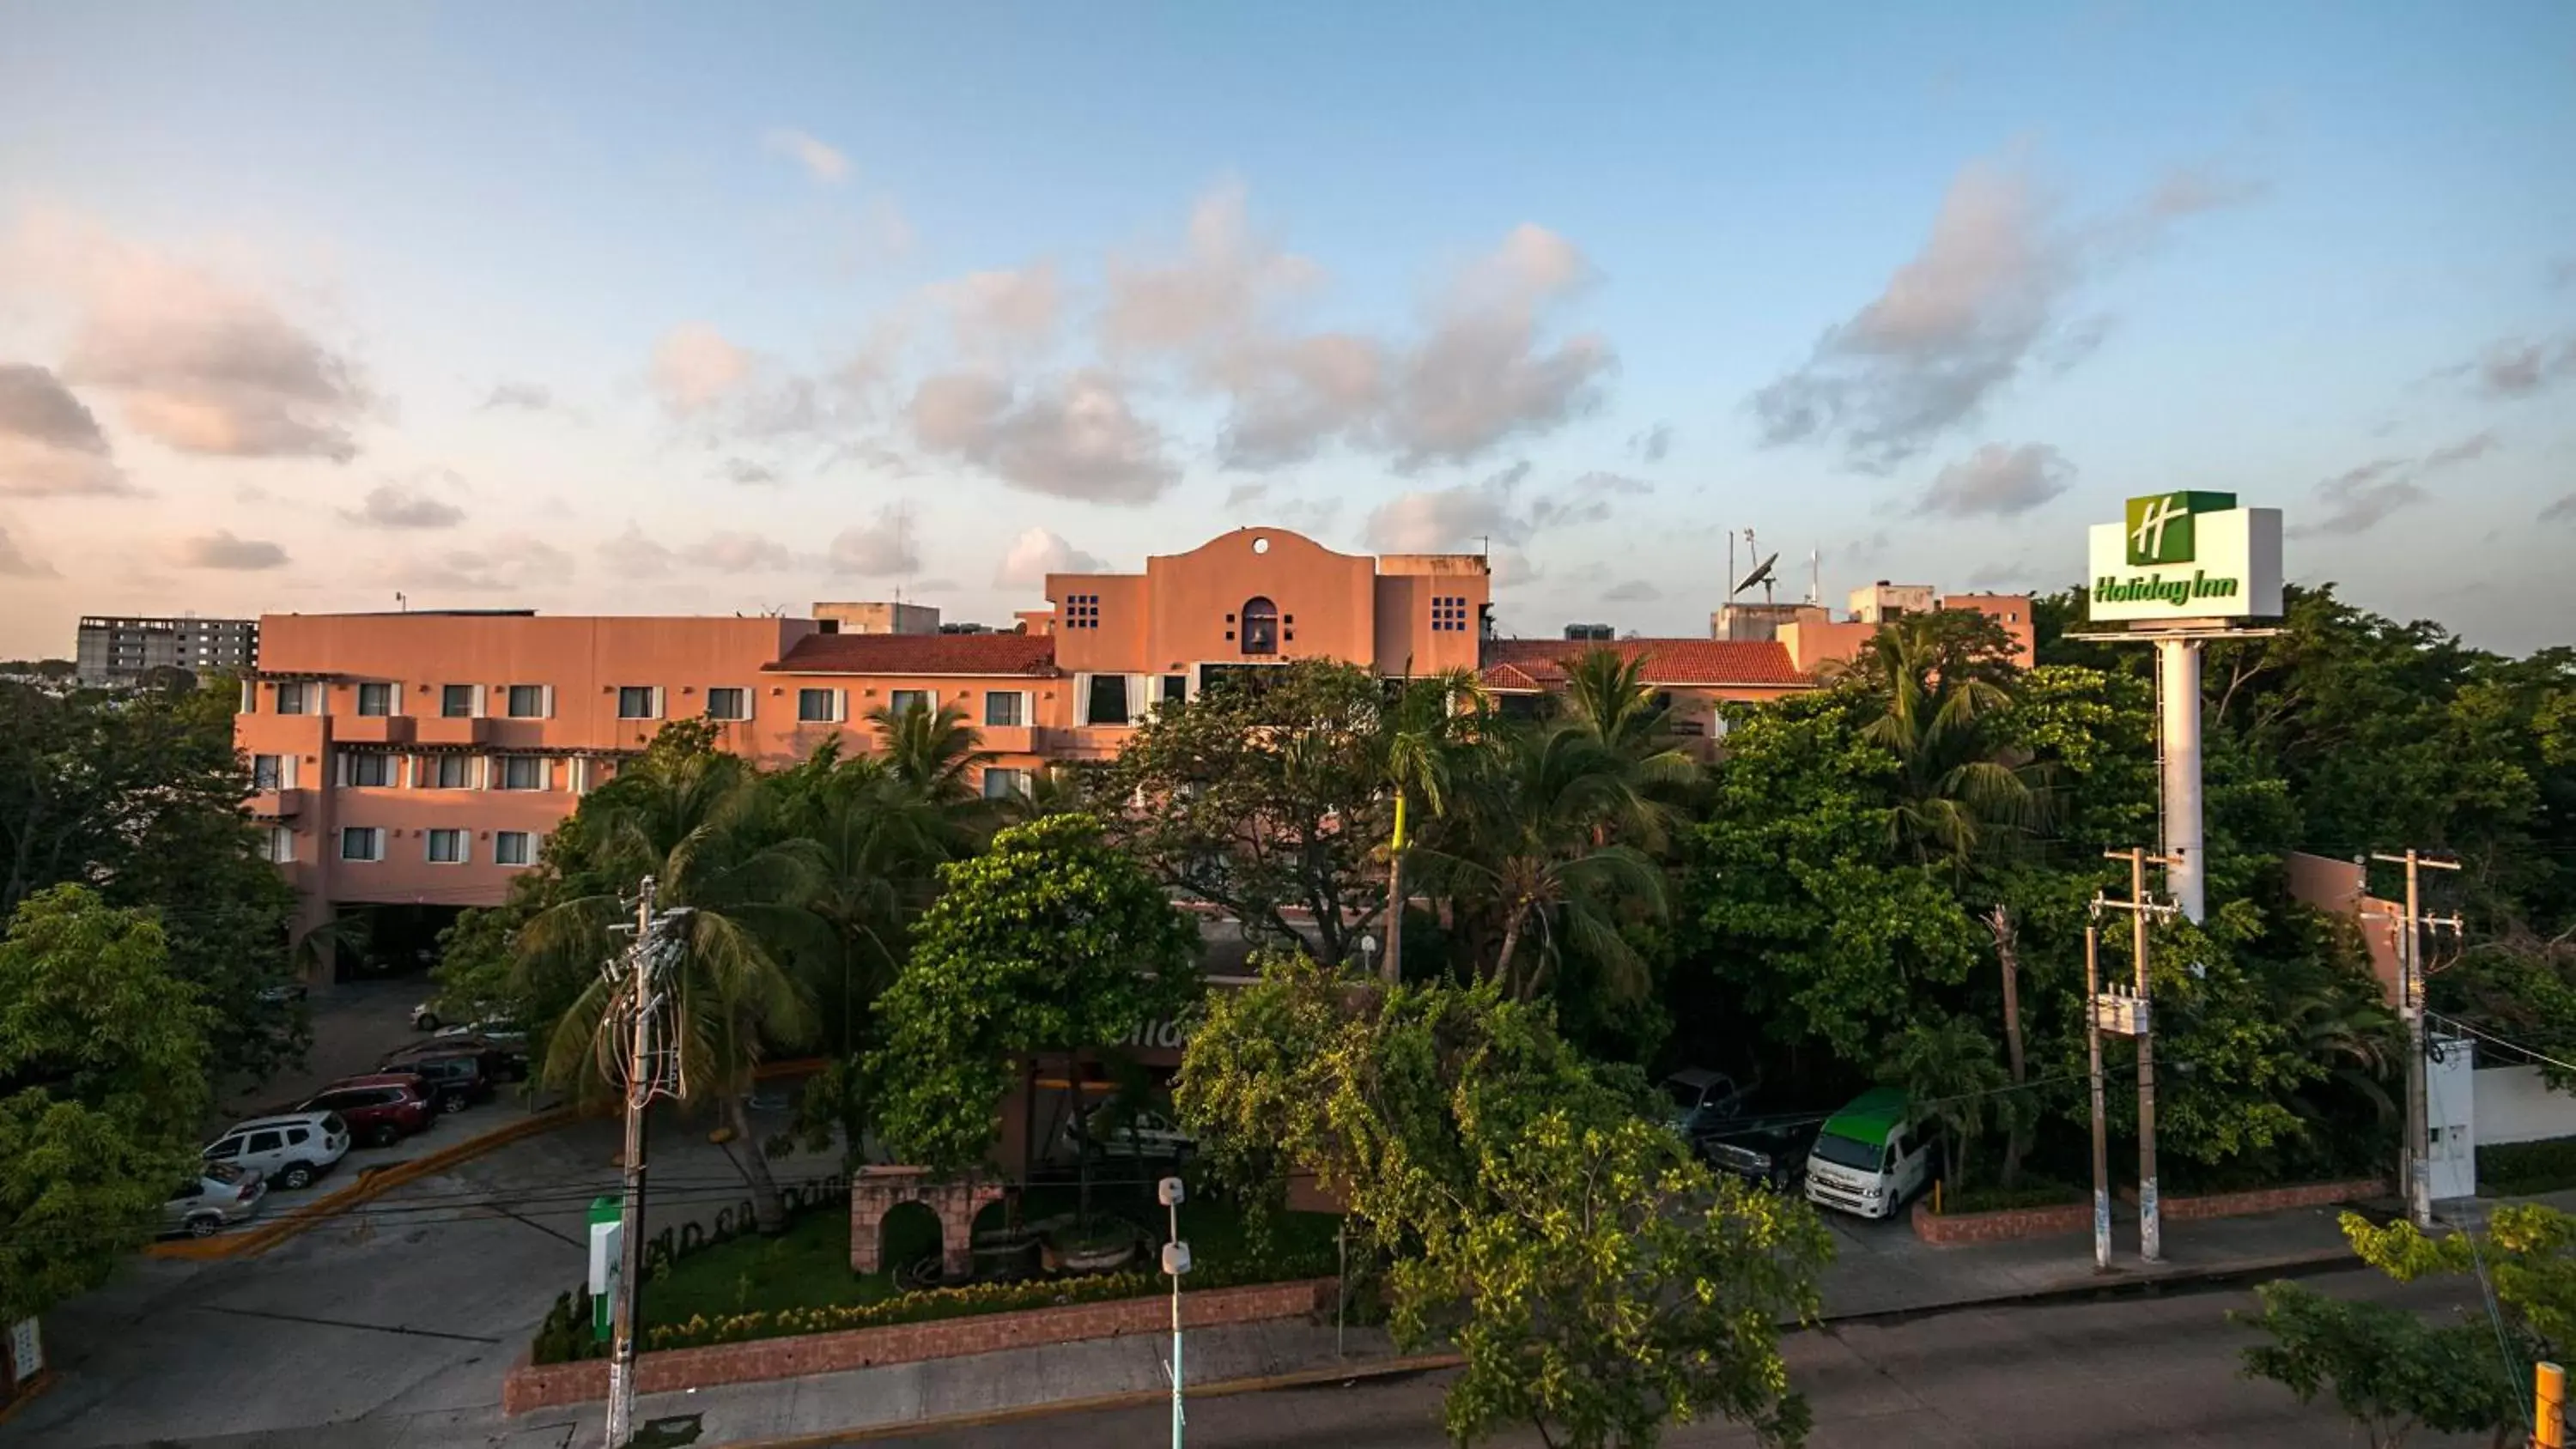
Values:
[(2395, 1373), (700, 824), (1270, 799), (139, 796), (1934, 684), (1948, 1070), (102, 1083), (1435, 731), (1599, 1282), (934, 753), (1606, 697), (1051, 942)]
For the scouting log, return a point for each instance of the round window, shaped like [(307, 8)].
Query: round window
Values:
[(1261, 545)]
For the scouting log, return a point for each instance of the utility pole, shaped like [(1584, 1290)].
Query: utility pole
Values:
[(649, 1068), (2101, 1136), (1393, 970), (2416, 1150), (1176, 1261), (2151, 1245)]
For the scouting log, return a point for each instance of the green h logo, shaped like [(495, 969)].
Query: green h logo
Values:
[(2160, 525)]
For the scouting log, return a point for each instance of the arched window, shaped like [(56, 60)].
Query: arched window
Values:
[(1260, 626)]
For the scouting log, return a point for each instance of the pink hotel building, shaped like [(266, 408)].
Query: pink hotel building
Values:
[(417, 760)]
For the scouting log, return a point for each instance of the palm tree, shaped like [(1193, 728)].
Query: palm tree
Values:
[(1607, 697), (1541, 841), (1430, 730), (1930, 694), (702, 827), (877, 843), (935, 752)]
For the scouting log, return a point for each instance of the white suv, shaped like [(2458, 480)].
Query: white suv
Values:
[(289, 1150)]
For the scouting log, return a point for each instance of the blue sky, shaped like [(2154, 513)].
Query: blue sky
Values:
[(632, 308)]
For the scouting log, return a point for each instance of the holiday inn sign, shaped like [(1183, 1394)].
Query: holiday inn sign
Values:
[(2187, 556)]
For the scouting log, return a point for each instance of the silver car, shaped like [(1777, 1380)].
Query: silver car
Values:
[(221, 1196)]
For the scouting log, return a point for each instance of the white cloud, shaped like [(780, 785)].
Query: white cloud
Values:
[(391, 505), (1495, 510), (524, 396), (1037, 553), (694, 368), (17, 563), (1996, 481), (1633, 591), (634, 556), (2355, 500), (881, 547), (821, 161), (1986, 299), (1653, 444), (511, 563), (50, 442), (731, 552), (197, 362), (1220, 287), (221, 550), (2515, 368), (996, 313), (1073, 437)]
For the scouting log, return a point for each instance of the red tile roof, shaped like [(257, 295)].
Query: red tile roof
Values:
[(1029, 654), (1540, 663)]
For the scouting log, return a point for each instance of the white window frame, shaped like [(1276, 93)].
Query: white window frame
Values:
[(653, 700), (545, 772), (301, 700), (376, 840), (436, 767), (840, 701), (1139, 706), (280, 845), (1019, 778), (348, 771), (545, 701), (528, 838), (1028, 705), (464, 846), (393, 698), (747, 706), (930, 700)]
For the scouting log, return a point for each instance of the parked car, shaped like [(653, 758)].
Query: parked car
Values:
[(1149, 1135), (497, 1029), (454, 1079), (1701, 1100), (218, 1197), (1769, 1149), (290, 1149), (501, 1061), (379, 1109), (285, 995), (1871, 1156)]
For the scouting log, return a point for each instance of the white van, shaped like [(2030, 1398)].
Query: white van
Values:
[(1871, 1157)]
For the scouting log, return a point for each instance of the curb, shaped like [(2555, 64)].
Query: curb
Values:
[(1130, 1399), (371, 1184), (2114, 1282), (28, 1392)]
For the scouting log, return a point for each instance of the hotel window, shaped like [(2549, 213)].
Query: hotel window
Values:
[(290, 699), (375, 700), (374, 771), (522, 772), (1005, 707), (1106, 701), (639, 701), (456, 701), (1260, 626), (1176, 689), (1082, 611), (362, 842), (728, 704), (447, 772), (267, 772), (279, 845), (530, 701), (513, 847), (1448, 614), (1005, 784), (904, 701), (447, 847), (818, 706)]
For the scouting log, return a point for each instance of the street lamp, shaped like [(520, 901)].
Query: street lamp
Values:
[(1176, 1261)]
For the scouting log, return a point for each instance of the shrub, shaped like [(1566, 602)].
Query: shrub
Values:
[(2512, 1169)]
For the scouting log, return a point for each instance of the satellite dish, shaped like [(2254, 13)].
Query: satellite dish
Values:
[(1761, 575)]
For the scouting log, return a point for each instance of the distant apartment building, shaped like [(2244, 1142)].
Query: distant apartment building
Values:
[(419, 760), (1813, 636), (117, 652)]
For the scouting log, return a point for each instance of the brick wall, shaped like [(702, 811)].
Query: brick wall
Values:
[(2073, 1217), (529, 1386), (2078, 1217)]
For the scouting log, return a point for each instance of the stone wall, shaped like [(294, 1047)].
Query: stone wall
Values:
[(876, 1191), (2077, 1217), (530, 1386), (2033, 1222), (2268, 1199)]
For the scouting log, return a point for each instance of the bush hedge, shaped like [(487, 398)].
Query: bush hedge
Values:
[(2512, 1169)]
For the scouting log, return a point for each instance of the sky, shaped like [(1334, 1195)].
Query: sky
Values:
[(636, 308)]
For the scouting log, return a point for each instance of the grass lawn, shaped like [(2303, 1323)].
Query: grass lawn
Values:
[(810, 1266)]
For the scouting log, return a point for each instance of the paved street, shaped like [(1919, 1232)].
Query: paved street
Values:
[(2160, 1371)]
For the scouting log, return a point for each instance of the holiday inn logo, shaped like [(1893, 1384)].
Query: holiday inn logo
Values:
[(2160, 525)]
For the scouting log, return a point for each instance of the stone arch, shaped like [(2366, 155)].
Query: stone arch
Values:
[(876, 1190)]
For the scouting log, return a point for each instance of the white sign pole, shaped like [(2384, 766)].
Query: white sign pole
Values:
[(2178, 679)]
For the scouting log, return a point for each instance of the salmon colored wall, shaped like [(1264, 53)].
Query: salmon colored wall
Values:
[(2013, 611)]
